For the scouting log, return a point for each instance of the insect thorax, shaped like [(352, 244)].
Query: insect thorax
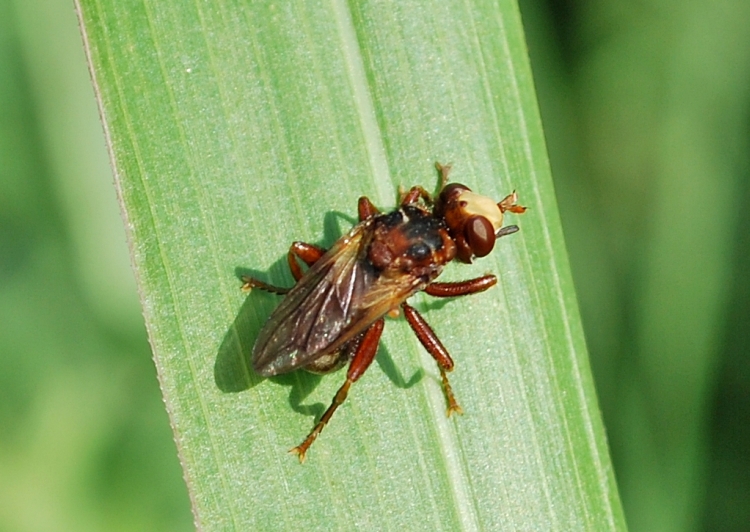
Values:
[(411, 241)]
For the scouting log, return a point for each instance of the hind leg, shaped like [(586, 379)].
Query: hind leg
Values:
[(307, 253)]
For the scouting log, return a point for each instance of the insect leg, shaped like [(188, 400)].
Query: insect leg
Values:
[(366, 209), (307, 253), (364, 356), (461, 288), (248, 283), (414, 194), (435, 347), (444, 170)]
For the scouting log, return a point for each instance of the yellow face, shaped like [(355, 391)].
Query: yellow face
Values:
[(477, 205)]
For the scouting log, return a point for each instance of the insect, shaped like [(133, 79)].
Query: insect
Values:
[(335, 312)]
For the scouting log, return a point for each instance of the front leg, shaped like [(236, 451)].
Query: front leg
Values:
[(461, 288), (443, 170)]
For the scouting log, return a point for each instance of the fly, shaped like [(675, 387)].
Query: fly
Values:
[(334, 314)]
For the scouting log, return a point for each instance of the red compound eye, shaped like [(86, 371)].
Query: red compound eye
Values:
[(480, 235)]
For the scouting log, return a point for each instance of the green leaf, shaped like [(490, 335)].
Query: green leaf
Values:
[(236, 128)]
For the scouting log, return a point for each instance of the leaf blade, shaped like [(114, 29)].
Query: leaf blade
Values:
[(295, 106)]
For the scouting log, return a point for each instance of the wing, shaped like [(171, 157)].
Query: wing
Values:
[(337, 298)]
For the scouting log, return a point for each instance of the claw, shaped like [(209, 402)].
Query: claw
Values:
[(299, 452)]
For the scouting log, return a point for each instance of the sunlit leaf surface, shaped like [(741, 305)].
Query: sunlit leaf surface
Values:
[(236, 128)]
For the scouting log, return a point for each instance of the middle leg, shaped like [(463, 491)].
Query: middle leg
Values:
[(435, 347)]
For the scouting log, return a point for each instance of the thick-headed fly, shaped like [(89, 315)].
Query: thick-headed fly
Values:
[(335, 312)]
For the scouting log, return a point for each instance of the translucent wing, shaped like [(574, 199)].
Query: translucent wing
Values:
[(337, 298)]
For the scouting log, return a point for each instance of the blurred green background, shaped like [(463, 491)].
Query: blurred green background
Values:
[(646, 109)]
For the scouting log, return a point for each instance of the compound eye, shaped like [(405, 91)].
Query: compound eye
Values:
[(480, 234)]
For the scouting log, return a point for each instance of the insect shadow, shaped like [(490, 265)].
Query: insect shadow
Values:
[(303, 383), (233, 372)]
